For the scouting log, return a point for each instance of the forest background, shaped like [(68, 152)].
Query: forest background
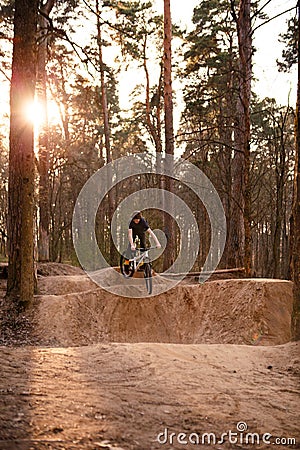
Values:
[(84, 49)]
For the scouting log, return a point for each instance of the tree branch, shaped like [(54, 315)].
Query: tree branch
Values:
[(42, 13), (3, 233), (272, 18), (233, 13), (48, 7), (260, 10), (63, 35), (114, 27), (6, 76)]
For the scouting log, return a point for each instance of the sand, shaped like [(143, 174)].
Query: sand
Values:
[(109, 372)]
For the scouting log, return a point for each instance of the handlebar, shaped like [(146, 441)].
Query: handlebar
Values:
[(145, 249)]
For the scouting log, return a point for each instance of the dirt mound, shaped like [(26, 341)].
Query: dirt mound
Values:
[(62, 284), (52, 268), (248, 311)]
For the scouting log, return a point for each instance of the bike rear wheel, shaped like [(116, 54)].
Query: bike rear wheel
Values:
[(148, 277), (126, 267)]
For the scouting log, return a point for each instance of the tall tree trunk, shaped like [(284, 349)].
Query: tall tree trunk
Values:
[(154, 131), (241, 224), (226, 124), (21, 280), (44, 206), (169, 129), (280, 180), (295, 220), (112, 249)]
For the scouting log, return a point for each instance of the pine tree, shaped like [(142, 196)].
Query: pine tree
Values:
[(291, 56), (241, 170), (295, 220), (43, 146), (169, 256), (210, 95), (20, 285)]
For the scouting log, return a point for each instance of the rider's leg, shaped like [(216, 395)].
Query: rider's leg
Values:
[(128, 253), (142, 238)]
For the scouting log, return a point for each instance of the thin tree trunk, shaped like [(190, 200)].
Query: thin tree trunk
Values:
[(103, 89), (169, 129), (280, 176), (155, 132), (280, 165), (245, 52), (285, 246), (44, 206), (228, 160), (295, 220), (21, 278), (226, 126), (241, 226), (112, 250)]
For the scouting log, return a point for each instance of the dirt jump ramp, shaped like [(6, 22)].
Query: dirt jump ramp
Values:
[(247, 311)]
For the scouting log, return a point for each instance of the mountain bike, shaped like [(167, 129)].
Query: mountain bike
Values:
[(140, 260)]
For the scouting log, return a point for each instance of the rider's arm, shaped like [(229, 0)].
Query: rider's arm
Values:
[(154, 237), (130, 238)]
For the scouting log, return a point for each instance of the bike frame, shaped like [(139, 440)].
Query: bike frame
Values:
[(138, 260)]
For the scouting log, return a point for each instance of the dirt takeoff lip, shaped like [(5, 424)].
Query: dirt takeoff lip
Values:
[(253, 312)]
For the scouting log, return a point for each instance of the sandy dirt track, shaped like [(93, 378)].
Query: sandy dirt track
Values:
[(124, 395), (175, 367)]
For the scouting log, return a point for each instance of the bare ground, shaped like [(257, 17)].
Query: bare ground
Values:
[(114, 373)]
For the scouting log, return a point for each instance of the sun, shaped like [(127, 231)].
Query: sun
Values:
[(35, 113)]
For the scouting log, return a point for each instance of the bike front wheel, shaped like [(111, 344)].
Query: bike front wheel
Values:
[(127, 269), (148, 277)]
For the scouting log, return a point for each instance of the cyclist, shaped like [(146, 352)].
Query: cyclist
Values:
[(138, 227)]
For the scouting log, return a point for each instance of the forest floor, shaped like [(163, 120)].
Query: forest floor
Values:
[(85, 369)]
